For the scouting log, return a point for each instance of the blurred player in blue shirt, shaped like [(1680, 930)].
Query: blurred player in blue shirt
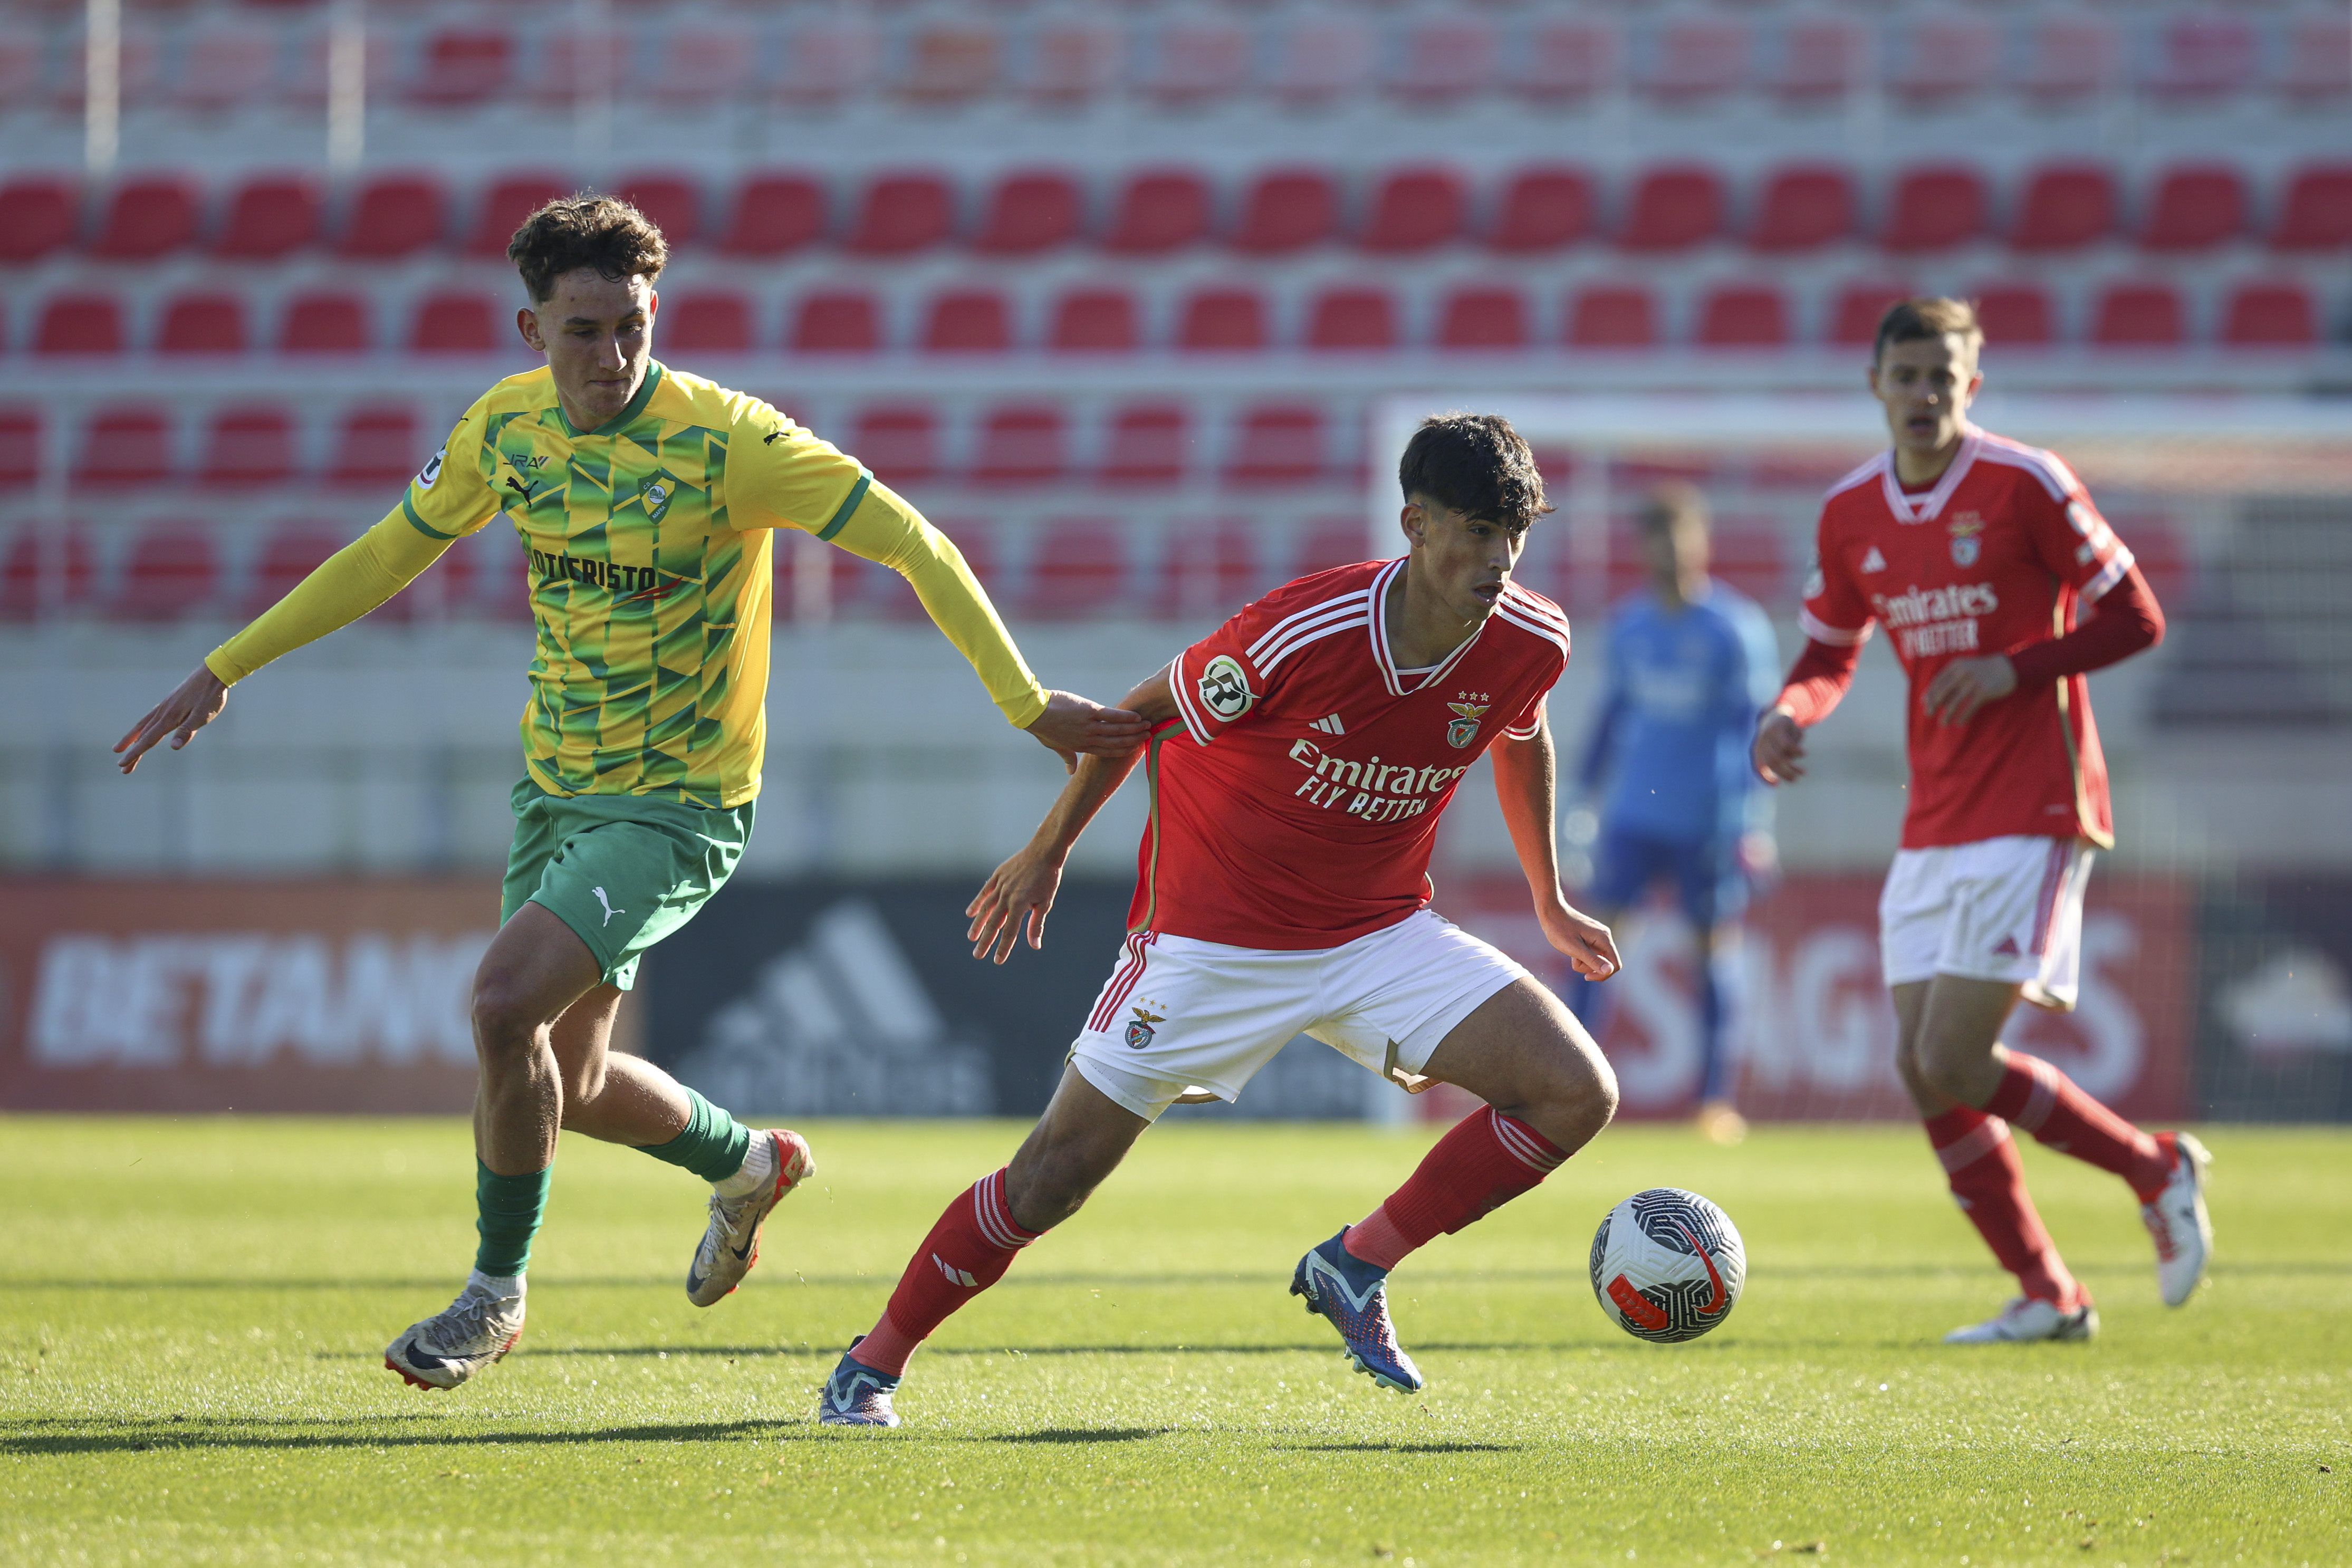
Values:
[(1690, 664)]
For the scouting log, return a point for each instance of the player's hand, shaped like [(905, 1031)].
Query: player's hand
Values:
[(196, 702), (1015, 899), (1072, 726), (1591, 949), (1964, 686), (1779, 749)]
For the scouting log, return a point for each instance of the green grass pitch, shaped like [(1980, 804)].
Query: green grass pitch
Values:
[(192, 1317)]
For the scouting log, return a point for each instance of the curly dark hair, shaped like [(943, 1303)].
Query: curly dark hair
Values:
[(1476, 464), (586, 230)]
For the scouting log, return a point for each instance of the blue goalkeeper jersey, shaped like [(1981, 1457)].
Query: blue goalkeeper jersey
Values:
[(1678, 717)]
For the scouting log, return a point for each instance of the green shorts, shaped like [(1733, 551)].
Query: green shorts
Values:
[(621, 870)]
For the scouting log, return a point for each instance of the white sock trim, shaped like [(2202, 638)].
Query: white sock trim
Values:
[(757, 1171), (500, 1285)]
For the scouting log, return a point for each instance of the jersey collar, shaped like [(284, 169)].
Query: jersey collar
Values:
[(1925, 508), (628, 417), (1377, 613)]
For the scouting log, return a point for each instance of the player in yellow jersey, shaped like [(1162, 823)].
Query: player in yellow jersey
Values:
[(647, 500)]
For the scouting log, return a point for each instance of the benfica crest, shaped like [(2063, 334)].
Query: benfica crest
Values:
[(1966, 544), (1139, 1029), (1464, 730)]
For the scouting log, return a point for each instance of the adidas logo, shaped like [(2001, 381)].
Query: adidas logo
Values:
[(955, 1276), (1330, 725), (1874, 562), (2008, 949)]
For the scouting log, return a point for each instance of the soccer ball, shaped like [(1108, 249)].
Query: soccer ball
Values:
[(1667, 1265)]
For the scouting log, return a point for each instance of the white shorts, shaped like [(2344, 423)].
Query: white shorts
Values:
[(1998, 909), (1180, 1012)]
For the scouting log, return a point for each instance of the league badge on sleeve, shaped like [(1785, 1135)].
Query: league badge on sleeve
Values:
[(1225, 688)]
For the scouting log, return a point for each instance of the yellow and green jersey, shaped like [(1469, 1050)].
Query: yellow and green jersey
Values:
[(651, 570)]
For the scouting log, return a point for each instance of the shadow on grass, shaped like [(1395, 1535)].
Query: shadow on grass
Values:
[(1083, 1435), (1398, 1448), (1018, 1351), (152, 1436)]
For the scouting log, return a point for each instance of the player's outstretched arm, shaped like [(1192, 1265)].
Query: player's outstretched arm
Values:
[(1527, 783), (1019, 893), (193, 704)]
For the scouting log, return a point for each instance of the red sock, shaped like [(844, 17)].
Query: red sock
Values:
[(1485, 1161), (1988, 1184), (2047, 1103), (967, 1252)]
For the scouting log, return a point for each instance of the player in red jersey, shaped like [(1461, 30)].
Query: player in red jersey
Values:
[(1982, 558), (1300, 758)]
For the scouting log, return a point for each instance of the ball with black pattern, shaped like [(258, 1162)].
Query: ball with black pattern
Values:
[(1667, 1265)]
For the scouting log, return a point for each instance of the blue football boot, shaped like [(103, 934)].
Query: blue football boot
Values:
[(856, 1394), (1354, 1295)]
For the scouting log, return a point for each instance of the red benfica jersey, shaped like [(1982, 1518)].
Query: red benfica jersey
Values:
[(2004, 552), (1295, 803)]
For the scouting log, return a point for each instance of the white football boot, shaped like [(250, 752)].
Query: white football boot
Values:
[(2176, 1220), (472, 1333), (2029, 1318), (780, 1160)]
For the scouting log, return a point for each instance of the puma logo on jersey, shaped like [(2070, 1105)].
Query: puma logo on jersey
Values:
[(1874, 562), (1330, 725), (607, 904), (772, 438)]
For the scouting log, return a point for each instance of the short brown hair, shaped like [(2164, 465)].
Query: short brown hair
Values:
[(1476, 464), (1911, 320), (1673, 501), (571, 232)]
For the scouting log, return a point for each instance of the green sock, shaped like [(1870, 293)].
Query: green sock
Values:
[(712, 1145), (510, 1209)]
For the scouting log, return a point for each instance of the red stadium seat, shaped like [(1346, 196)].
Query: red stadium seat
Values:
[(1934, 208), (2065, 207), (395, 216), (1543, 210), (292, 552), (1612, 318), (702, 64), (775, 216), (1938, 58), (968, 321), (1817, 58), (2316, 70), (1207, 568), (202, 324), (2140, 316), (504, 208), (124, 447), (1194, 61), (1674, 209), (1695, 59), (673, 202), (376, 446), (836, 322), (1329, 542), (1442, 59), (1160, 212), (246, 446), (270, 218), (2196, 208), (830, 61), (1743, 316), (1415, 209), (80, 324), (1483, 318), (1224, 320), (1069, 61), (46, 571), (325, 324), (2271, 316), (460, 68), (146, 218), (1803, 208), (1023, 443), (1150, 444), (1278, 444), (1563, 59), (2317, 215), (899, 442), (1752, 557), (709, 322), (2068, 57), (43, 214), (1029, 214), (1859, 306), (945, 63), (174, 570), (23, 62), (2204, 57), (449, 321), (1077, 570), (1287, 211), (570, 66), (901, 215), (1094, 320), (1352, 318), (1319, 58), (2016, 316), (20, 449)]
